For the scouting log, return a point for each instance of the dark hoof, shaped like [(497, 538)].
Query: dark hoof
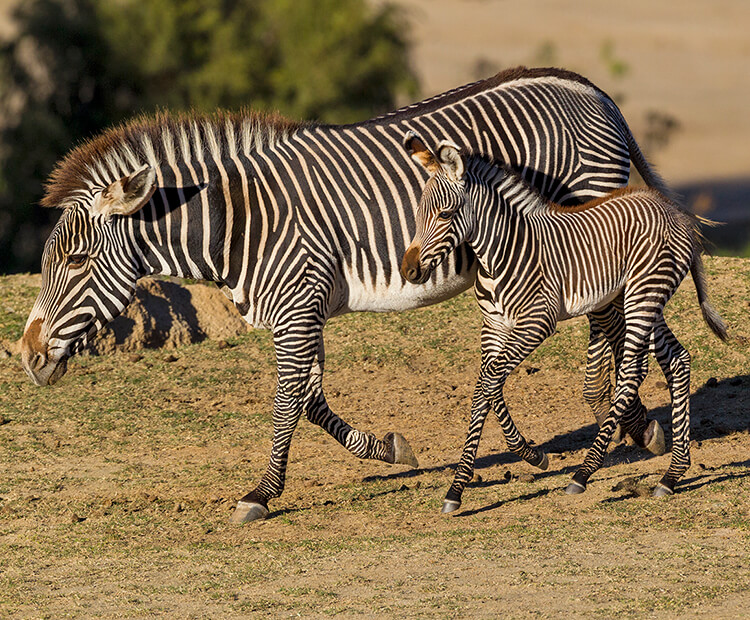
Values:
[(248, 511), (662, 491), (400, 449), (575, 488), (544, 464), (657, 444), (449, 506)]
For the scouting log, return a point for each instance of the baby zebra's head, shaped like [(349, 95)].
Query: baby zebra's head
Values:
[(442, 217)]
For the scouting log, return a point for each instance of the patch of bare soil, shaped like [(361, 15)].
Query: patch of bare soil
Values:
[(118, 482)]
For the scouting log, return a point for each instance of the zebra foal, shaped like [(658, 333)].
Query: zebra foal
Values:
[(540, 263)]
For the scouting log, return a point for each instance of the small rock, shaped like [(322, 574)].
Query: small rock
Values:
[(222, 344), (712, 382), (702, 466), (135, 357), (4, 420), (532, 370), (628, 484), (74, 518), (178, 507), (4, 353), (662, 385), (526, 478), (476, 478), (170, 358)]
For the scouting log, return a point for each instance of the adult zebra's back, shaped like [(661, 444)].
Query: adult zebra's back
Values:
[(302, 222)]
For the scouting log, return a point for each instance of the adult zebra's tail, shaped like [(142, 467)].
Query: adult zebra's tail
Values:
[(650, 176)]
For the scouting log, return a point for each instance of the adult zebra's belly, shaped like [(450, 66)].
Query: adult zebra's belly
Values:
[(394, 294)]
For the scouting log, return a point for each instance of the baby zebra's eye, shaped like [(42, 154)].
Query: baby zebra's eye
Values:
[(76, 260), (445, 215)]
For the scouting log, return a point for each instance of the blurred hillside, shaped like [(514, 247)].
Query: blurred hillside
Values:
[(678, 69)]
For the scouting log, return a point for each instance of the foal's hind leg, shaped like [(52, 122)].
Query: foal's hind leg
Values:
[(675, 362), (646, 434)]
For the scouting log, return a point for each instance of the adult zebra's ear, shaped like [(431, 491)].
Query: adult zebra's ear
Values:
[(450, 157), (419, 152), (128, 194)]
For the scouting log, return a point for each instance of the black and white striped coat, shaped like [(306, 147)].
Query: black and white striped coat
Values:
[(540, 263), (301, 222)]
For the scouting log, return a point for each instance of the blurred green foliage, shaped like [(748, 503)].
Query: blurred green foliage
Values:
[(78, 66)]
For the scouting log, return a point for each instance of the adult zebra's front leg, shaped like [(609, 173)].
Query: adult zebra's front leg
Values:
[(296, 348), (393, 448)]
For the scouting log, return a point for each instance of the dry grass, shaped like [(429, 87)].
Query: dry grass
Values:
[(118, 482)]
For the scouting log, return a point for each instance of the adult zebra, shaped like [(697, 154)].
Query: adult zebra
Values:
[(302, 222), (540, 263)]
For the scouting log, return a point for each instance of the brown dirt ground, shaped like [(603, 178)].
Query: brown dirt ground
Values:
[(118, 483)]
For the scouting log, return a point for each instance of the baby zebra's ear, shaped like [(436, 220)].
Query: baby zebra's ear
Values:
[(450, 157), (420, 153), (128, 194)]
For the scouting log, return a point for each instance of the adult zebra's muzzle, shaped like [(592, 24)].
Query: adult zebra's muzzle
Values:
[(411, 266), (42, 366)]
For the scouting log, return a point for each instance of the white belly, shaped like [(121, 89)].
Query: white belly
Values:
[(401, 295)]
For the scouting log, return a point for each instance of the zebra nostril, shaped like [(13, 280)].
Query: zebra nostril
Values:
[(413, 274), (38, 361)]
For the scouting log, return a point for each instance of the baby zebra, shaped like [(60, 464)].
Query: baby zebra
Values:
[(540, 263)]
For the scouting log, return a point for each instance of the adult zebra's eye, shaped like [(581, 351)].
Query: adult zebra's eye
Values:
[(445, 215), (76, 260)]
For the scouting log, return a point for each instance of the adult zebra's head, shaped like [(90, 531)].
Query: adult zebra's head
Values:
[(442, 219), (89, 270)]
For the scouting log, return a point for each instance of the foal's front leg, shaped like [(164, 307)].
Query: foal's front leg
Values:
[(503, 350)]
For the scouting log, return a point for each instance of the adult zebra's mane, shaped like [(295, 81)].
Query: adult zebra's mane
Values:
[(161, 138)]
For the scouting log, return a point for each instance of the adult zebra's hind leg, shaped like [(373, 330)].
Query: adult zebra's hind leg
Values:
[(393, 448), (674, 360)]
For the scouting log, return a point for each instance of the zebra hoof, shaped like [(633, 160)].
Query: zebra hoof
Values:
[(544, 464), (450, 506), (662, 491), (248, 511), (400, 449), (575, 488), (618, 436), (657, 444)]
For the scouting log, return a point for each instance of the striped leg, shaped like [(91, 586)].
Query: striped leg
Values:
[(631, 374), (514, 347), (675, 362), (393, 448), (296, 348), (610, 324), (642, 310)]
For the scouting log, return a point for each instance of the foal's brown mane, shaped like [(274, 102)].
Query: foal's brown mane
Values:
[(74, 170)]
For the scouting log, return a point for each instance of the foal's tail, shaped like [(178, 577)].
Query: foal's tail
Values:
[(710, 315)]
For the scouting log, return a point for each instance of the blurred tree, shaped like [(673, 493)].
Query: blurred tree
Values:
[(78, 66)]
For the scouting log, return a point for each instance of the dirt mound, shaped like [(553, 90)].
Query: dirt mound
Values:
[(168, 315)]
